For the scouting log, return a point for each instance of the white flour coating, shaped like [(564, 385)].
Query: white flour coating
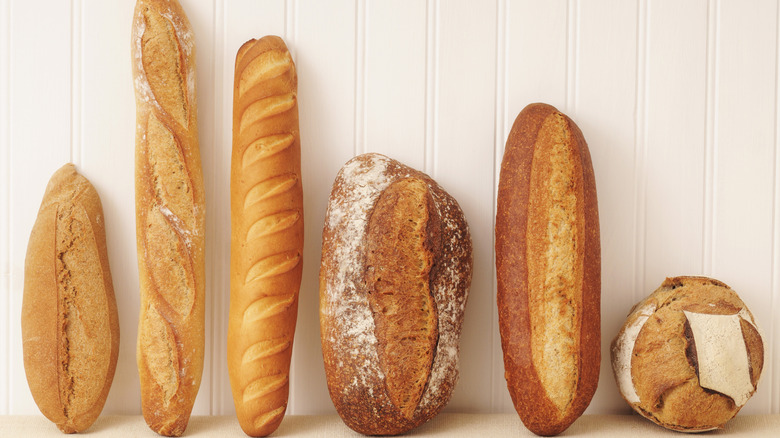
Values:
[(721, 353), (186, 41), (624, 351), (178, 225), (142, 89), (445, 363), (362, 181), (347, 219)]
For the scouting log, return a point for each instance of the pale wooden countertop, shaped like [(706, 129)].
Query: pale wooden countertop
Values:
[(449, 425)]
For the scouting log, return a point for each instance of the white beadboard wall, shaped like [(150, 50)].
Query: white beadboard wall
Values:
[(678, 102)]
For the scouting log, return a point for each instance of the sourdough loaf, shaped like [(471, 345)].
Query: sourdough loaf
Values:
[(396, 267), (689, 356), (170, 213), (70, 327), (548, 269), (266, 205)]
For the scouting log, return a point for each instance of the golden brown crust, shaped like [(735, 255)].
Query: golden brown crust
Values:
[(662, 378), (402, 239), (351, 343), (548, 263), (267, 233), (70, 326), (170, 213)]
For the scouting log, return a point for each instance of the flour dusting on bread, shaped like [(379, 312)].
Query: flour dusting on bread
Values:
[(349, 341)]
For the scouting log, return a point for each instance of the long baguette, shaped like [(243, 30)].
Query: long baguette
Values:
[(266, 205), (170, 215), (70, 326), (548, 269)]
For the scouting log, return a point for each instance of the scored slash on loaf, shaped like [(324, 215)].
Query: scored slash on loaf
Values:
[(70, 326), (266, 205), (170, 215)]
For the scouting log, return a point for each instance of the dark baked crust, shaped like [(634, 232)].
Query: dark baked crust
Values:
[(529, 395), (355, 381)]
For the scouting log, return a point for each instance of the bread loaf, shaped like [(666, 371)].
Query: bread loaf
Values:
[(548, 269), (70, 327), (169, 215), (266, 206), (689, 355), (396, 268)]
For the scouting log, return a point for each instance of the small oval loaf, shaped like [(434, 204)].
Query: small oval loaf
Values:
[(170, 215), (396, 268), (266, 206), (689, 356), (548, 269), (70, 327)]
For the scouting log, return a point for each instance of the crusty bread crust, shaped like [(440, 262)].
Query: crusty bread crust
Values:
[(70, 326), (267, 233), (655, 359), (170, 215), (548, 270), (351, 343)]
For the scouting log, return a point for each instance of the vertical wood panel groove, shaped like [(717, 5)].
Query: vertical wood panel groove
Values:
[(774, 339), (5, 221), (431, 81), (499, 117), (76, 81), (287, 22), (572, 17), (710, 135), (219, 336), (210, 246), (290, 17), (640, 145), (290, 35), (360, 77)]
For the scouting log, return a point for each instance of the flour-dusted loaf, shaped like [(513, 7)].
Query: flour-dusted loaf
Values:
[(170, 213), (548, 265), (689, 355), (396, 268), (70, 327), (266, 205)]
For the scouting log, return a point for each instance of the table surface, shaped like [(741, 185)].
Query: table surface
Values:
[(443, 425)]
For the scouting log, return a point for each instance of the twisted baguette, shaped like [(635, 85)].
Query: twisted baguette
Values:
[(267, 233), (169, 216)]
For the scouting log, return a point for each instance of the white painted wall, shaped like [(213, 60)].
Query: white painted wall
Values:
[(678, 102)]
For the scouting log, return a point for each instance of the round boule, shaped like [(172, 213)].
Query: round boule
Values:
[(689, 355)]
